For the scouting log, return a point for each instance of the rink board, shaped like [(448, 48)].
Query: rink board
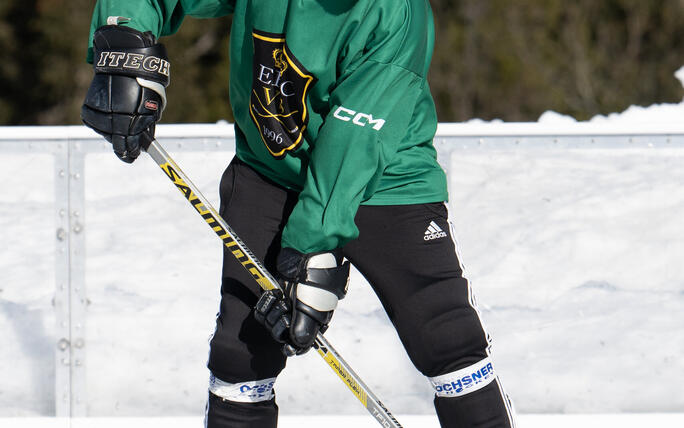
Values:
[(526, 199)]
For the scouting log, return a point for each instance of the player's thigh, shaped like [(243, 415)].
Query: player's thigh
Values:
[(255, 208), (407, 254)]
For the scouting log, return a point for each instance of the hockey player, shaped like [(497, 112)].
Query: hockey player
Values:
[(334, 161)]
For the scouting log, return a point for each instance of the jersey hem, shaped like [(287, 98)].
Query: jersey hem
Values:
[(423, 199)]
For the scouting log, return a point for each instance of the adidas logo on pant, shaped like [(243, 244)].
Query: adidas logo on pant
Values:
[(434, 232)]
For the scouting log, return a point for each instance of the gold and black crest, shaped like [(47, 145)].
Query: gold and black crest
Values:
[(279, 89)]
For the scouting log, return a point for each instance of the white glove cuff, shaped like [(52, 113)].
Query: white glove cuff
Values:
[(317, 298), (156, 87)]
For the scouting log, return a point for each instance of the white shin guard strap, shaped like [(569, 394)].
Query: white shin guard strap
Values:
[(464, 381), (244, 392)]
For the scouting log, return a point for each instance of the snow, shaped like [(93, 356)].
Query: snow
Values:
[(574, 254), (679, 74)]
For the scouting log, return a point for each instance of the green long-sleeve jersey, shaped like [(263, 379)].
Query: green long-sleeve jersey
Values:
[(330, 99)]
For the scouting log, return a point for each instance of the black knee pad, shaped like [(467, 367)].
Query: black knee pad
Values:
[(241, 348), (441, 329)]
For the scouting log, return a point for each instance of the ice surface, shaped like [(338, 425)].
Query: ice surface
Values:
[(340, 421)]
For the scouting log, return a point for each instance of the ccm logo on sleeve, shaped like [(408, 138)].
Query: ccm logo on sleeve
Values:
[(359, 119)]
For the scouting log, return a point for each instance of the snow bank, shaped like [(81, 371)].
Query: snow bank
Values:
[(654, 114)]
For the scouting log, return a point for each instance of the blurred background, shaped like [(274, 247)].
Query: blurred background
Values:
[(510, 60)]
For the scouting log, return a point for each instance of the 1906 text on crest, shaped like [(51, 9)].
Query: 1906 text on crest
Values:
[(280, 87)]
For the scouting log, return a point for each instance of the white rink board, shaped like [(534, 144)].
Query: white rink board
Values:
[(574, 253)]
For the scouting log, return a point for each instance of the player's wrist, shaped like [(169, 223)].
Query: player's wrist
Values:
[(128, 52)]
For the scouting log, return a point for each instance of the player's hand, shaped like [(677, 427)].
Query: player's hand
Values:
[(313, 284), (127, 95)]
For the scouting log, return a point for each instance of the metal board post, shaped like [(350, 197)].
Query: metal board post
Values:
[(61, 299), (78, 301), (70, 299)]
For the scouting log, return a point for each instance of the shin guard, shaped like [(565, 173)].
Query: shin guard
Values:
[(223, 413), (241, 405)]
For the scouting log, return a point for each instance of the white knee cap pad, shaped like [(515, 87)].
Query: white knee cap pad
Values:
[(244, 392), (464, 381)]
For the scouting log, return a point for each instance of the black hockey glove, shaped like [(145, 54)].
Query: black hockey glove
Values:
[(127, 95), (313, 284)]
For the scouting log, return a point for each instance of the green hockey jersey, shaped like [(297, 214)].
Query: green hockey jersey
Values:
[(330, 99)]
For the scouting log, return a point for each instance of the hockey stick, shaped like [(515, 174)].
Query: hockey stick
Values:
[(266, 281)]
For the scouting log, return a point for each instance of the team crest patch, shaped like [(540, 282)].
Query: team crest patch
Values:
[(279, 91)]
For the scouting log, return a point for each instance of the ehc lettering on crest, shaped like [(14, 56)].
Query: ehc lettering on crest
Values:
[(279, 90)]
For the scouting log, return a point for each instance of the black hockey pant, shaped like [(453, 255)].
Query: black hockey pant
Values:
[(407, 255)]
